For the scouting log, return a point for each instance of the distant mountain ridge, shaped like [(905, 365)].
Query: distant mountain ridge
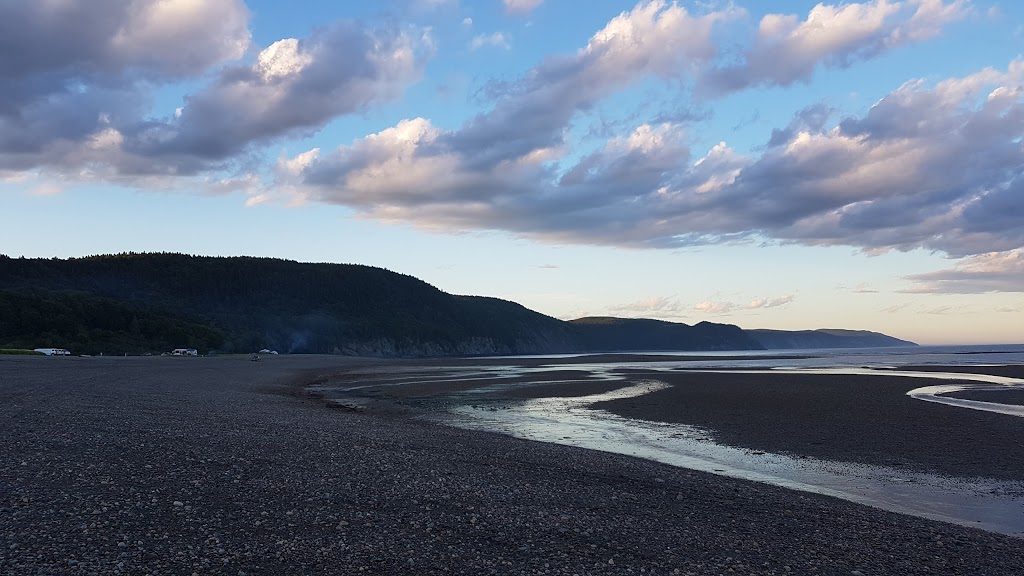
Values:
[(824, 338), (134, 303), (610, 334)]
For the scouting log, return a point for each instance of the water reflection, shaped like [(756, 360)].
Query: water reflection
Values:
[(992, 505), (988, 504)]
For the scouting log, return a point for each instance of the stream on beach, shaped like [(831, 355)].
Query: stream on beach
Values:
[(988, 504)]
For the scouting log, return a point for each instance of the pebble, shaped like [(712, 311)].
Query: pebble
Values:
[(322, 491)]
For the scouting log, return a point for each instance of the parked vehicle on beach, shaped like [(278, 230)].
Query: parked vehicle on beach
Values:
[(185, 352), (53, 351)]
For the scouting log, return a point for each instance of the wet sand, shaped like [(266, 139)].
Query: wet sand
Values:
[(1014, 397), (855, 418), (1008, 370), (224, 466), (865, 419)]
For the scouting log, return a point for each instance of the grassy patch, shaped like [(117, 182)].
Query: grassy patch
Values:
[(19, 352)]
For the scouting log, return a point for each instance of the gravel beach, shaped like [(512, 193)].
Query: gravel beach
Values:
[(224, 466)]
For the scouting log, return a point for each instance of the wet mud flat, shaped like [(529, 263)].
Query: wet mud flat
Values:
[(531, 402), (856, 418), (223, 466), (1002, 396)]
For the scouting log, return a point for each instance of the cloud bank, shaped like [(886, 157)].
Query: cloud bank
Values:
[(78, 102), (992, 272), (928, 166), (786, 50), (935, 165)]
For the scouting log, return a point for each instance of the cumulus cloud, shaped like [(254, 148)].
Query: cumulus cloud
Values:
[(521, 6), (927, 166), (84, 68), (531, 113), (78, 100), (787, 50), (992, 272), (933, 167), (293, 86), (85, 41), (497, 167)]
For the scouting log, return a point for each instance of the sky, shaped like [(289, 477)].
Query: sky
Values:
[(789, 165)]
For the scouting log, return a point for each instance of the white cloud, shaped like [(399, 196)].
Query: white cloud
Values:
[(766, 302), (256, 200), (503, 156), (653, 306), (724, 307), (181, 36), (282, 59), (932, 167), (82, 109), (714, 307), (497, 39), (786, 49), (521, 6), (991, 272), (159, 40), (864, 288)]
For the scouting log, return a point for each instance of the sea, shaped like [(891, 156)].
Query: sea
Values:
[(977, 354)]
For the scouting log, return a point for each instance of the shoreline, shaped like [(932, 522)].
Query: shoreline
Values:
[(857, 418), (219, 466)]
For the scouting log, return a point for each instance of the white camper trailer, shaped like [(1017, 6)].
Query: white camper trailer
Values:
[(53, 351), (185, 352)]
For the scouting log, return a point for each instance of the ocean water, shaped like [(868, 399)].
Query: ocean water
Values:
[(840, 357)]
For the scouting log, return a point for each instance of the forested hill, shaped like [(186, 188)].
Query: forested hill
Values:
[(608, 333), (152, 302), (134, 303), (824, 338)]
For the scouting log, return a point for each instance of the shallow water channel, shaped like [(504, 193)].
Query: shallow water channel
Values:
[(988, 504)]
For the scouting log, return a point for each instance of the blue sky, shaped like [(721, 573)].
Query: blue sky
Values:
[(774, 165)]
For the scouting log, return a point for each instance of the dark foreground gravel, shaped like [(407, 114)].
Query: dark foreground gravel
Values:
[(218, 466)]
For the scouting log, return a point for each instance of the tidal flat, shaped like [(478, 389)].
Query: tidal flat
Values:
[(225, 466)]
